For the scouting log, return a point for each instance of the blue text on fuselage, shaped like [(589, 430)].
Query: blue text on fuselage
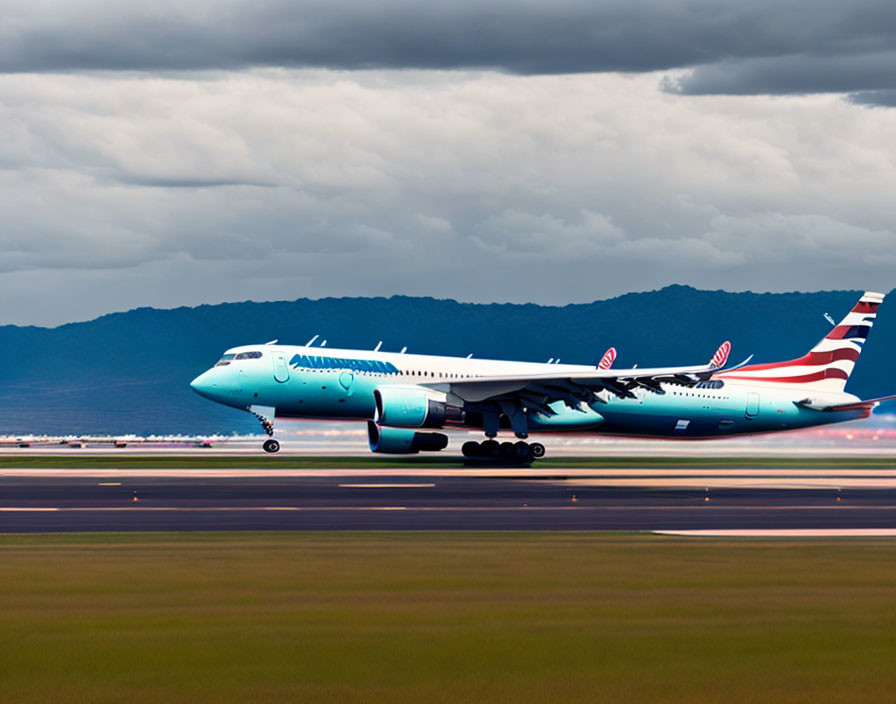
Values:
[(306, 361)]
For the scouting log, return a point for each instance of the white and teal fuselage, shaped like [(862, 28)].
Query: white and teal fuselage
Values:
[(339, 384)]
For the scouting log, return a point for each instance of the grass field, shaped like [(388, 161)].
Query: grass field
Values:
[(439, 617), (111, 460)]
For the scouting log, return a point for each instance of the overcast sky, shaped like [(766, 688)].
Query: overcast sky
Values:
[(178, 153)]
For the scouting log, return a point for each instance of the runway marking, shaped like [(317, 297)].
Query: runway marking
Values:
[(689, 507), (722, 482), (882, 477), (387, 486), (200, 509), (784, 533), (28, 508)]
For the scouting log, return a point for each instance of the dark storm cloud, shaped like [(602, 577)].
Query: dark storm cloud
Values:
[(880, 98), (127, 189), (794, 46), (791, 74)]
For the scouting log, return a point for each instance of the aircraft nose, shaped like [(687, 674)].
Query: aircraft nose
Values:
[(203, 385)]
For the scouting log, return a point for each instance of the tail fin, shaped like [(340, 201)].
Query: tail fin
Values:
[(828, 365)]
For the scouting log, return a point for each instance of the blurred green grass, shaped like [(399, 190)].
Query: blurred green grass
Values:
[(443, 617)]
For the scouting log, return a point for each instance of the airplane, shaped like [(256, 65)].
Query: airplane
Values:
[(406, 398)]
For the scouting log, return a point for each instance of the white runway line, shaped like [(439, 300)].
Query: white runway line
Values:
[(784, 533), (191, 509), (740, 482), (428, 485), (18, 509), (136, 507), (608, 473), (669, 478)]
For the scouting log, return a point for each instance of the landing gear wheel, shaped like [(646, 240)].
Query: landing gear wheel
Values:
[(506, 450), (470, 449), (537, 450), (521, 452), (490, 448), (271, 445)]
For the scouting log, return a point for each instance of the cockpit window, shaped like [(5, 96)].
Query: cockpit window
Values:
[(225, 360), (254, 354)]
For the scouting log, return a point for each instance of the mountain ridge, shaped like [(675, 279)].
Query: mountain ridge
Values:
[(129, 371)]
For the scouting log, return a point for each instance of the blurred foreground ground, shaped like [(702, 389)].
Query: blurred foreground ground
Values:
[(445, 617)]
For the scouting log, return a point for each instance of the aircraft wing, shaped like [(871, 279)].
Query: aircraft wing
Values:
[(538, 391)]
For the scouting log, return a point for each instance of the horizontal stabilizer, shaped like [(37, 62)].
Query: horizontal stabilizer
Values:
[(858, 405), (866, 405)]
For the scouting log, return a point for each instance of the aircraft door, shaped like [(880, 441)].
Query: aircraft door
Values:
[(346, 379), (281, 370), (752, 404)]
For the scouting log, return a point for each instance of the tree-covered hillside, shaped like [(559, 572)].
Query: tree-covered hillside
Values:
[(129, 372)]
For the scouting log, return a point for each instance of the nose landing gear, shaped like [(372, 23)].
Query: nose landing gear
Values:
[(265, 415)]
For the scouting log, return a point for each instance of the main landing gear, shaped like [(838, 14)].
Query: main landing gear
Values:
[(518, 452)]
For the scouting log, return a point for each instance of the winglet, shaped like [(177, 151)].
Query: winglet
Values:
[(607, 360), (721, 356)]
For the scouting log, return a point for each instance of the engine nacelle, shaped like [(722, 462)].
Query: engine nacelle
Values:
[(412, 407), (403, 441)]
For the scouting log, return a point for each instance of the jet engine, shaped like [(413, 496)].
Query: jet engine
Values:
[(403, 441), (413, 407)]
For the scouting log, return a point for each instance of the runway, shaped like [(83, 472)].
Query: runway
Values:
[(638, 499)]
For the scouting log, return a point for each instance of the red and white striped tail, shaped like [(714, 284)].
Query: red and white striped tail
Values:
[(828, 365)]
